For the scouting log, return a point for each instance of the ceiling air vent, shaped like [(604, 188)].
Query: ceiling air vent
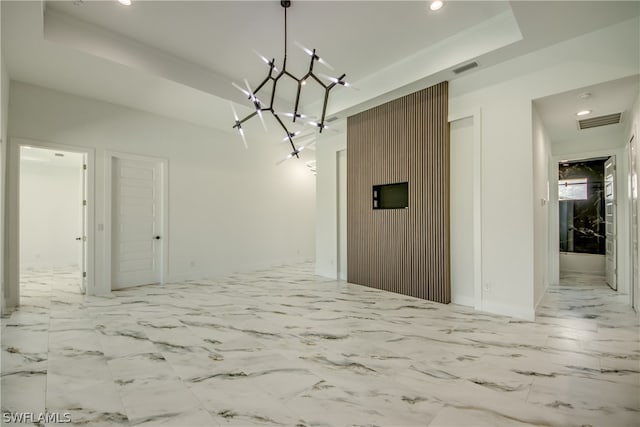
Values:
[(465, 67), (594, 122), (331, 119)]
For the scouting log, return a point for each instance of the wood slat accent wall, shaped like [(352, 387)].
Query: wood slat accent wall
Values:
[(401, 250)]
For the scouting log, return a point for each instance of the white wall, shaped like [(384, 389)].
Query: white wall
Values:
[(541, 212), (327, 204), (230, 209), (572, 262), (588, 143), (50, 212)]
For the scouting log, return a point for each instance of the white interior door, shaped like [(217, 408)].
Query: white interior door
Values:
[(83, 231), (136, 222), (342, 214), (610, 197), (461, 212)]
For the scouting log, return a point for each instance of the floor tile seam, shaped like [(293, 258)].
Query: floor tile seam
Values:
[(97, 333)]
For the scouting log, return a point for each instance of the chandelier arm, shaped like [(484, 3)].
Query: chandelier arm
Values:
[(286, 130), (239, 122), (273, 94), (264, 82), (318, 80), (291, 75), (295, 110), (337, 81), (313, 58), (324, 108)]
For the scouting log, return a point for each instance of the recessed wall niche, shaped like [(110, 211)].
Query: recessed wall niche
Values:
[(403, 250)]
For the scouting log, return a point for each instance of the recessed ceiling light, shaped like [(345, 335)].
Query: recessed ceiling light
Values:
[(584, 95), (436, 5), (583, 112), (125, 2)]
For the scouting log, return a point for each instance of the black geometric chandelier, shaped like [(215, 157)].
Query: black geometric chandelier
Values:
[(274, 74)]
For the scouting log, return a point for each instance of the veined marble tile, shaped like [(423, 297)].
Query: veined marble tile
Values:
[(161, 398), (193, 418), (284, 347), (233, 400), (23, 391)]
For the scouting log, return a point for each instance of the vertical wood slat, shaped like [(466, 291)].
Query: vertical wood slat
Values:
[(401, 250)]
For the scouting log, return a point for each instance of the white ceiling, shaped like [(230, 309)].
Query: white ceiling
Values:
[(189, 52), (558, 112), (221, 35)]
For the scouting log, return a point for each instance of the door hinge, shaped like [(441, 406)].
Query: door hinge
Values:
[(84, 167), (84, 274), (84, 203)]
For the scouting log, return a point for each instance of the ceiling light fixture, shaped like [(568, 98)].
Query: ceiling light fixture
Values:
[(274, 75), (583, 112), (125, 2), (436, 5)]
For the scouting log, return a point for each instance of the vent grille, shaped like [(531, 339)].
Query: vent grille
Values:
[(332, 119), (465, 67), (594, 122)]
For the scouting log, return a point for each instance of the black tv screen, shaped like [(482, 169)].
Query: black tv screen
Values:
[(391, 196)]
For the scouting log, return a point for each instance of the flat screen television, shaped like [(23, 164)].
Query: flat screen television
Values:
[(391, 196)]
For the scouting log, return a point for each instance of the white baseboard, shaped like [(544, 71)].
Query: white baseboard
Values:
[(462, 300), (509, 310), (328, 273)]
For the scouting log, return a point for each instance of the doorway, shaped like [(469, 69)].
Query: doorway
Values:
[(587, 218), (53, 222)]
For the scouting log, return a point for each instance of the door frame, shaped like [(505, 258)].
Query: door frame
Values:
[(109, 157), (13, 213), (340, 220), (632, 148), (614, 164), (622, 245)]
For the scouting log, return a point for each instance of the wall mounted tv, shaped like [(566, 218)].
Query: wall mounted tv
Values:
[(391, 196)]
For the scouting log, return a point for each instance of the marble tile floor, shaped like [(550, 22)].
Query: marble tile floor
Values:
[(285, 347)]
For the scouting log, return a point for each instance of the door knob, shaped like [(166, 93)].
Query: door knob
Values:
[(157, 237)]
